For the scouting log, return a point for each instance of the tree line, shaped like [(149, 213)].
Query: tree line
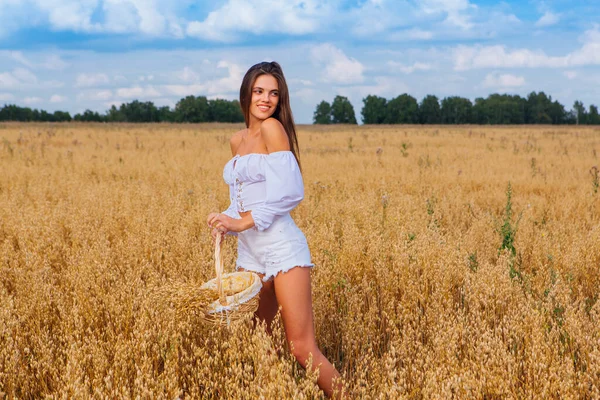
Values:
[(188, 109), (496, 109)]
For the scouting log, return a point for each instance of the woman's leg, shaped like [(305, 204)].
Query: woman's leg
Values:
[(293, 293), (267, 304)]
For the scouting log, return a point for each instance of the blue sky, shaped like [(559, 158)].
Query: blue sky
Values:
[(78, 54)]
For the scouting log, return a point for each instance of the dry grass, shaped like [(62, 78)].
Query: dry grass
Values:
[(412, 297)]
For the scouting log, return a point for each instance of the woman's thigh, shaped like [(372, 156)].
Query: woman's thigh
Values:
[(293, 292)]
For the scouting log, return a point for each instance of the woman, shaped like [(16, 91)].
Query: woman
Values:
[(265, 185)]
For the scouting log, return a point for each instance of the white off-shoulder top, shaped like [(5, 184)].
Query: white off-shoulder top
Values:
[(269, 185)]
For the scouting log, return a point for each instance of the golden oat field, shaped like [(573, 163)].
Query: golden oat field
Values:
[(451, 262)]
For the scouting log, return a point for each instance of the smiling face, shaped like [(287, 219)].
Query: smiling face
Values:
[(265, 97)]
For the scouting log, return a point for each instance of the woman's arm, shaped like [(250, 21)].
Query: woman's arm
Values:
[(285, 188)]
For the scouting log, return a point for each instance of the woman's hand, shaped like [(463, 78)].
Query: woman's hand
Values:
[(223, 223)]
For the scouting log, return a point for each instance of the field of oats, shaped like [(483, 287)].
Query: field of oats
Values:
[(451, 262)]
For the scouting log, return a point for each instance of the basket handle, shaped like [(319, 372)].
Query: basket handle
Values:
[(219, 268)]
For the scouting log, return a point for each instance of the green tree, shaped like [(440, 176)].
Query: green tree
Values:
[(480, 113), (541, 110), (61, 116), (322, 113), (138, 111), (192, 109), (26, 114), (220, 110), (8, 113), (593, 117), (499, 109), (456, 110), (403, 109), (89, 116), (165, 114), (580, 113), (558, 114), (342, 111), (429, 110), (12, 112), (115, 115), (374, 110)]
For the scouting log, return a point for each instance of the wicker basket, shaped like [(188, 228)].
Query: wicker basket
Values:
[(238, 293)]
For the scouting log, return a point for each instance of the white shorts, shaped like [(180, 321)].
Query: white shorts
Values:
[(279, 248)]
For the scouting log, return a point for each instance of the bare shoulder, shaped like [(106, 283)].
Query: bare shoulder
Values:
[(235, 141), (274, 135)]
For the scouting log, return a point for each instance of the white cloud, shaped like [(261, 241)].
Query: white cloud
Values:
[(149, 17), (410, 34), (375, 17), (18, 56), (548, 19), (25, 76), (7, 80), (338, 68), (151, 21), (456, 11), (53, 84), (230, 20), (466, 58), (496, 80), (54, 63), (32, 100), (137, 92), (506, 18), (224, 87), (185, 90), (304, 82), (121, 17), (102, 95), (231, 82), (384, 86), (90, 80), (417, 33), (187, 75), (306, 95), (498, 56), (6, 97), (94, 95), (591, 35), (589, 53), (294, 17), (409, 69), (17, 78), (73, 15), (570, 74), (57, 99)]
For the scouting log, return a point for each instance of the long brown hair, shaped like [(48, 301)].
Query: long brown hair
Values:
[(283, 112)]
